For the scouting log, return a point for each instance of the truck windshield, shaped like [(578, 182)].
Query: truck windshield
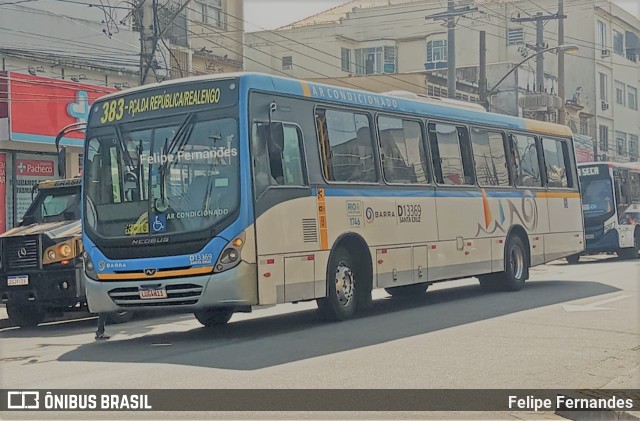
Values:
[(54, 205), (162, 176), (597, 198)]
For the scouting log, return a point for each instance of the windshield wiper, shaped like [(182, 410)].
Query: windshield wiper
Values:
[(125, 152), (177, 141)]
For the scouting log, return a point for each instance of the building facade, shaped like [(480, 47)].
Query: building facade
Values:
[(390, 37), (57, 57), (33, 109)]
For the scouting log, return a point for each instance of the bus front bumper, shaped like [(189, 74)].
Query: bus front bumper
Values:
[(235, 287)]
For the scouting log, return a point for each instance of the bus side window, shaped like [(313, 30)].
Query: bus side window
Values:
[(323, 140), (277, 156), (451, 152), (347, 147), (402, 151), (489, 157), (555, 160), (526, 166)]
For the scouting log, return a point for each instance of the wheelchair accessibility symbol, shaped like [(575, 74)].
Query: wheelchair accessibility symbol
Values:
[(159, 223)]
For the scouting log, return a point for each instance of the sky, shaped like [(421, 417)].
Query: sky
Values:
[(272, 14)]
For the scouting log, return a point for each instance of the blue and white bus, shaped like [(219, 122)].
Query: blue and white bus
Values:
[(611, 207), (220, 194)]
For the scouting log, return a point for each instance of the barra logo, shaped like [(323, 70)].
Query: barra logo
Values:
[(23, 399)]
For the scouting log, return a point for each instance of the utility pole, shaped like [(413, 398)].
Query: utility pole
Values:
[(561, 88), (450, 18), (147, 11), (482, 83), (539, 19)]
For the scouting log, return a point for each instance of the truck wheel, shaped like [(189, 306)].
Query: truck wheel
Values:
[(25, 315), (120, 317), (631, 252), (573, 259), (516, 266), (213, 317), (342, 286), (407, 290)]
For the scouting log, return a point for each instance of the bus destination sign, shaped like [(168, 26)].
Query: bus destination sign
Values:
[(593, 171), (165, 100)]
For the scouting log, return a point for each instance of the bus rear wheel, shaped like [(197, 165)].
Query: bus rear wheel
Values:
[(342, 286), (516, 267), (213, 316), (407, 290)]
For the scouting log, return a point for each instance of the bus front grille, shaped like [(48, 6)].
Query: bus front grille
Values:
[(177, 295)]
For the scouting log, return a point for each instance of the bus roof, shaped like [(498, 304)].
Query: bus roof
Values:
[(347, 96)]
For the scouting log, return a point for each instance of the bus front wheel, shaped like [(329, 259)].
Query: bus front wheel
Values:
[(342, 286), (213, 317), (573, 259), (120, 317)]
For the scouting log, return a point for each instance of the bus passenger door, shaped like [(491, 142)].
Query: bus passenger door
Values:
[(286, 226)]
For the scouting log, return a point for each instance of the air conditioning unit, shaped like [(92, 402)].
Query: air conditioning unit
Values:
[(605, 53), (605, 106)]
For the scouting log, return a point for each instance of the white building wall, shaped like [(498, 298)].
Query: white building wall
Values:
[(405, 26)]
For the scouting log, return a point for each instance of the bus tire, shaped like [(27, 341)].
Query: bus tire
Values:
[(342, 286), (631, 252), (25, 315), (120, 317), (573, 259), (407, 290), (212, 317), (516, 265)]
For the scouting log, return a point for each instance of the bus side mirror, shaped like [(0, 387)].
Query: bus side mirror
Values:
[(62, 162)]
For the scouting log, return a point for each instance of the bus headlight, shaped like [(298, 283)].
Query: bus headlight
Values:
[(608, 227), (89, 269), (230, 256)]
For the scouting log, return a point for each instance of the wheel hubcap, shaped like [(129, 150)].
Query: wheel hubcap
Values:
[(516, 262), (345, 284)]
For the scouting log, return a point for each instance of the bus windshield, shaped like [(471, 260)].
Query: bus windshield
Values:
[(162, 176), (597, 197)]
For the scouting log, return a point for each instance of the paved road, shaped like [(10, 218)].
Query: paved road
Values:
[(570, 327)]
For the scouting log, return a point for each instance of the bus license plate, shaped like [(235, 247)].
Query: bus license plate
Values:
[(590, 236), (152, 293), (13, 281)]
